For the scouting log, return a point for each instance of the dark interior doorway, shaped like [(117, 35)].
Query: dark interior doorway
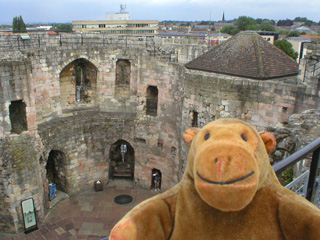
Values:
[(56, 170), (153, 177), (121, 160)]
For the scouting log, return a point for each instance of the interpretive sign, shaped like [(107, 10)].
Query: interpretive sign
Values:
[(29, 215)]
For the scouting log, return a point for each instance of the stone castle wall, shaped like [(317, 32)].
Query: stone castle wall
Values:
[(84, 132), (41, 73)]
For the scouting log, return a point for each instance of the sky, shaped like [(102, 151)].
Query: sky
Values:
[(63, 11)]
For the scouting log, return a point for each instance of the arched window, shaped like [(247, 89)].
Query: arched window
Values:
[(78, 83)]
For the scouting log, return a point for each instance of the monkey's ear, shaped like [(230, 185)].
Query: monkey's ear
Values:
[(189, 135), (269, 141)]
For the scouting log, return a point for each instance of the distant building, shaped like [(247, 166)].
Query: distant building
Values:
[(298, 45), (45, 28), (124, 27), (269, 36), (217, 38), (118, 24), (304, 29), (219, 25)]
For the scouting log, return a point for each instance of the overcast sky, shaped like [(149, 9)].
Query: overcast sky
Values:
[(33, 11)]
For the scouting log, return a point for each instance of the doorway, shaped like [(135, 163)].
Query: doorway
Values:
[(57, 170), (153, 174), (121, 160)]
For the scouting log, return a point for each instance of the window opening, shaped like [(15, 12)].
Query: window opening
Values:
[(18, 118), (195, 116), (152, 101), (123, 72)]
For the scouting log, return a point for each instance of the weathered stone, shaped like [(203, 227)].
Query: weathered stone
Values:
[(41, 74)]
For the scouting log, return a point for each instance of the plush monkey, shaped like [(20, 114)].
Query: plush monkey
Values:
[(229, 191)]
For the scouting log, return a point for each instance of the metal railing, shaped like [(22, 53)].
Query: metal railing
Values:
[(314, 148)]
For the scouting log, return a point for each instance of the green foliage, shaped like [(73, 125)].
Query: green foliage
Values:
[(286, 47), (206, 23), (253, 27), (283, 32), (78, 75), (229, 29), (244, 22), (267, 25), (286, 22), (287, 175), (187, 24), (63, 27), (18, 25), (306, 21), (293, 34)]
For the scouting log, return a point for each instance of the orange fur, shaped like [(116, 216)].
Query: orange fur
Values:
[(229, 191)]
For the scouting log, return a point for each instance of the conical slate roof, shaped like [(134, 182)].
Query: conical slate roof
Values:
[(248, 55)]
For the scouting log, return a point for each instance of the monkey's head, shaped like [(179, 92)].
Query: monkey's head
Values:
[(229, 162)]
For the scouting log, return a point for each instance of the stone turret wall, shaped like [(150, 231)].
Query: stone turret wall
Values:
[(84, 133), (260, 103), (20, 179)]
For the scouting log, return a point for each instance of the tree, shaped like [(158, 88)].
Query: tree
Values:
[(18, 25), (253, 27), (244, 22), (306, 21), (293, 34), (267, 25), (229, 29), (286, 22), (283, 32), (63, 27), (286, 47)]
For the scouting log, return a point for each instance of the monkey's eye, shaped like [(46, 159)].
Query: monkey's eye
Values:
[(244, 137), (207, 136)]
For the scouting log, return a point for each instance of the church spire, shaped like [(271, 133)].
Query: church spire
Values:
[(223, 17)]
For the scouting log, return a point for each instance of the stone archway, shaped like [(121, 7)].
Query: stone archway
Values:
[(56, 169), (121, 166)]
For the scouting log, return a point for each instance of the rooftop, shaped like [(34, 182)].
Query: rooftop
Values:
[(246, 55)]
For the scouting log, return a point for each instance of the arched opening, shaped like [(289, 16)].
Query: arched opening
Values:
[(152, 101), (57, 170), (156, 175), (123, 72), (78, 82), (121, 160)]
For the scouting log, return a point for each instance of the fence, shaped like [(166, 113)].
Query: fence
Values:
[(306, 185)]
